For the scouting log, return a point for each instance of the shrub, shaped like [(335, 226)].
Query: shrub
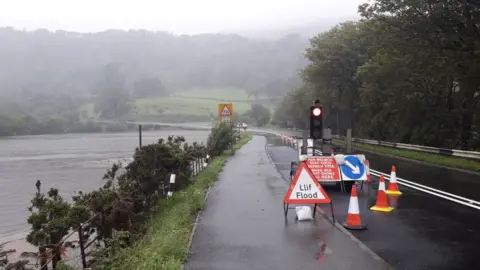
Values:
[(117, 211), (220, 139)]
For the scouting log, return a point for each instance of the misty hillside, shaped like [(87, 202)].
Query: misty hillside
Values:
[(306, 30), (73, 63)]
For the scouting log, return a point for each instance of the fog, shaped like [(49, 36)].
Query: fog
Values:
[(68, 65), (180, 16)]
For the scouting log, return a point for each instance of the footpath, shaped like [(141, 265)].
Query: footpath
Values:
[(243, 227)]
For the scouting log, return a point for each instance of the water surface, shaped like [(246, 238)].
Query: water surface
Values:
[(70, 162)]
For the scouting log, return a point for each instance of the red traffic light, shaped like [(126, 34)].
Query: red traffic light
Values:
[(316, 111)]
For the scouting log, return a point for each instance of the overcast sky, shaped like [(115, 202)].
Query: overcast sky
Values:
[(179, 16)]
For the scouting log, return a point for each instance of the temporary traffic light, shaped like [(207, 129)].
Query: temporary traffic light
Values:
[(316, 121)]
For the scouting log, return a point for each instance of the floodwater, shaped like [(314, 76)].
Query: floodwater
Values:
[(69, 162)]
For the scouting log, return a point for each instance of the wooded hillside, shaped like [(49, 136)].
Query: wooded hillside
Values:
[(407, 72)]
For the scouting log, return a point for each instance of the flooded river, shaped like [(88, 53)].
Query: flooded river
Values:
[(70, 162)]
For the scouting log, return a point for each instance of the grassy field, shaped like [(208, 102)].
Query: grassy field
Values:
[(453, 162), (165, 244), (195, 104)]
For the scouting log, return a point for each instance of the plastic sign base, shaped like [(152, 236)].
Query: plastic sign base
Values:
[(381, 209), (361, 227)]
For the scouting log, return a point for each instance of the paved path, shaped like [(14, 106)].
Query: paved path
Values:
[(242, 226)]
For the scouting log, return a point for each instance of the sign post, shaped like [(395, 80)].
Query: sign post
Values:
[(349, 141), (225, 113)]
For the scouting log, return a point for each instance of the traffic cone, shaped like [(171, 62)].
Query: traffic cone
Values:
[(392, 186), (331, 152), (367, 166), (354, 221), (382, 200)]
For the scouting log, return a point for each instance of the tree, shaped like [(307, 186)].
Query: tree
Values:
[(149, 87), (403, 60), (51, 218), (293, 110), (448, 32), (260, 114), (113, 97)]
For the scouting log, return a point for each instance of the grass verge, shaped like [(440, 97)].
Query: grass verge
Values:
[(447, 161), (164, 246)]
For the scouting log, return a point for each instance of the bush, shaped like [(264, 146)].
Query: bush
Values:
[(220, 139), (117, 212)]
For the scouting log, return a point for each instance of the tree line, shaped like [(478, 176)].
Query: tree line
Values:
[(72, 63), (408, 71), (46, 77), (116, 213)]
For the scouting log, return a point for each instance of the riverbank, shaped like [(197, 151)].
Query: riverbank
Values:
[(452, 162), (166, 243)]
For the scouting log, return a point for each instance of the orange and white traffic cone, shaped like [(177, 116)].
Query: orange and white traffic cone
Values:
[(367, 168), (354, 221), (369, 177), (392, 186), (382, 200)]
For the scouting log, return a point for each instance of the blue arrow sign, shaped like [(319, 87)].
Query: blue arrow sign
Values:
[(352, 168)]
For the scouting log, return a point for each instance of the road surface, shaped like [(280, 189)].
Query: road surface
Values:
[(243, 227), (424, 232)]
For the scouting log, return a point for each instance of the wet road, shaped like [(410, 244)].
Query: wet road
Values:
[(242, 225), (465, 184), (423, 232), (70, 162)]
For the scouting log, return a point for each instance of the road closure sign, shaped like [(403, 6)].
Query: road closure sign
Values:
[(325, 169), (305, 189)]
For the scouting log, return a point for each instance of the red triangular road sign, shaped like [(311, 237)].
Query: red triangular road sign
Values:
[(225, 111), (305, 189)]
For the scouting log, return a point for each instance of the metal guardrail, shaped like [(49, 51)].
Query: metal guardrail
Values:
[(419, 148)]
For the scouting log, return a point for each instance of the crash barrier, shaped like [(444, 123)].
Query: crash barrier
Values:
[(432, 191), (419, 148)]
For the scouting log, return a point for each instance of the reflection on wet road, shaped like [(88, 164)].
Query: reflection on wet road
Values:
[(423, 232), (464, 184), (242, 225), (69, 162)]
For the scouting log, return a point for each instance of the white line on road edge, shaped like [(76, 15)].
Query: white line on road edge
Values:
[(432, 191)]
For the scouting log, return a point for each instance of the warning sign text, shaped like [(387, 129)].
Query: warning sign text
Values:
[(324, 168)]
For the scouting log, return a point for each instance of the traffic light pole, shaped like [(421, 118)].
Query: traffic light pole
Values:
[(316, 124), (304, 149)]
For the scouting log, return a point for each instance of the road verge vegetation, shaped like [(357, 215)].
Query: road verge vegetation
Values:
[(165, 245), (453, 162), (130, 221)]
